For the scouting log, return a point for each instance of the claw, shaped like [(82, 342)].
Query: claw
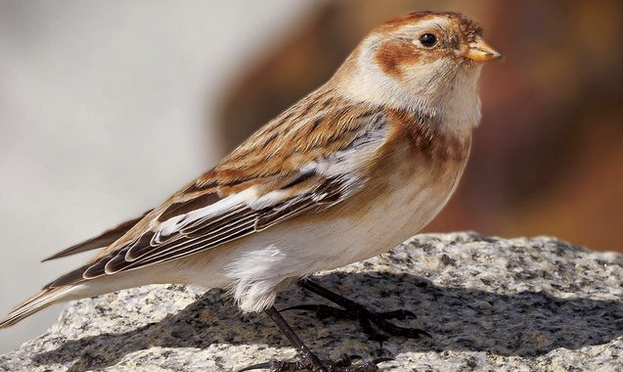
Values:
[(382, 359), (395, 330), (410, 332)]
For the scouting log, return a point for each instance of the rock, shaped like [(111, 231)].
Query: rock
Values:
[(490, 304)]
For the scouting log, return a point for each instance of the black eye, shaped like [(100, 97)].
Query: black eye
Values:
[(428, 40)]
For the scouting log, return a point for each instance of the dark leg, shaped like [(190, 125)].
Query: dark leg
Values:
[(309, 361), (309, 358), (355, 311)]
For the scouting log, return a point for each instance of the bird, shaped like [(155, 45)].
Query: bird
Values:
[(351, 170)]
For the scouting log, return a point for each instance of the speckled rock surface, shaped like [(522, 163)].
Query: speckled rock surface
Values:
[(490, 304)]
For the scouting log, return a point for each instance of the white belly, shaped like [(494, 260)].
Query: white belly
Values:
[(257, 266)]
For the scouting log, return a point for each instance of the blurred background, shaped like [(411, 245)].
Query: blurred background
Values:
[(106, 108)]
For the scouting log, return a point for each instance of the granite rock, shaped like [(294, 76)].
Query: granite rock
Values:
[(490, 304)]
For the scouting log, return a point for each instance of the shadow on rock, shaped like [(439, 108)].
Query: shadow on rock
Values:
[(523, 324)]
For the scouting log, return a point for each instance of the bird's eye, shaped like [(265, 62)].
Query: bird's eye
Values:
[(428, 40)]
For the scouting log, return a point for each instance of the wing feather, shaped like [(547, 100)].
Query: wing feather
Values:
[(251, 190), (104, 239)]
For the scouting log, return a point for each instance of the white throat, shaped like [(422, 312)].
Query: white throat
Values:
[(453, 102)]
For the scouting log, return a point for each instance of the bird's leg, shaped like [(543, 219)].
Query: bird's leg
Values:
[(309, 361), (354, 311)]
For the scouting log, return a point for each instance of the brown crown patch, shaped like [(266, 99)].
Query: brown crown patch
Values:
[(394, 55), (468, 27), (411, 18)]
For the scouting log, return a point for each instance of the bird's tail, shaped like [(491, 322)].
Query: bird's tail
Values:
[(35, 304)]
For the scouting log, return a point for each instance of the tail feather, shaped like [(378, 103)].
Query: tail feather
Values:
[(35, 304)]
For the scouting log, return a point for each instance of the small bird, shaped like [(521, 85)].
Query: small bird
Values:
[(356, 167)]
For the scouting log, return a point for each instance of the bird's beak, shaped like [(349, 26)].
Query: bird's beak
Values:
[(479, 51)]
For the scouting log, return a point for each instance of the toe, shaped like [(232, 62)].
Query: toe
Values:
[(397, 314), (322, 311)]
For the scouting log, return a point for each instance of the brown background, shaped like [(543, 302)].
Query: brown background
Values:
[(548, 157)]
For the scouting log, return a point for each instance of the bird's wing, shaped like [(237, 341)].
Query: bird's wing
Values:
[(288, 167), (103, 240)]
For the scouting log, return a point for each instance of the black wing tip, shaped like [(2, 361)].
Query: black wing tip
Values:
[(73, 277), (103, 240), (56, 256), (85, 246)]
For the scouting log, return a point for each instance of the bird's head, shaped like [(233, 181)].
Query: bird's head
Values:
[(425, 61)]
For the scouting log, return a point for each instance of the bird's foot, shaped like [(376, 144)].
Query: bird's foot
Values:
[(376, 325), (344, 364)]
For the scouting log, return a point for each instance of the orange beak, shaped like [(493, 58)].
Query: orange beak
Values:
[(479, 51)]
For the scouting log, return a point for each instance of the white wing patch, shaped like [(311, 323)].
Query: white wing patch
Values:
[(223, 206), (345, 165), (328, 181)]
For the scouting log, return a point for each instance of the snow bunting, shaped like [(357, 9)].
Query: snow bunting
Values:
[(351, 170)]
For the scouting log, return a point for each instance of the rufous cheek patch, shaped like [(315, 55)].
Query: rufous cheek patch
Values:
[(396, 55)]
